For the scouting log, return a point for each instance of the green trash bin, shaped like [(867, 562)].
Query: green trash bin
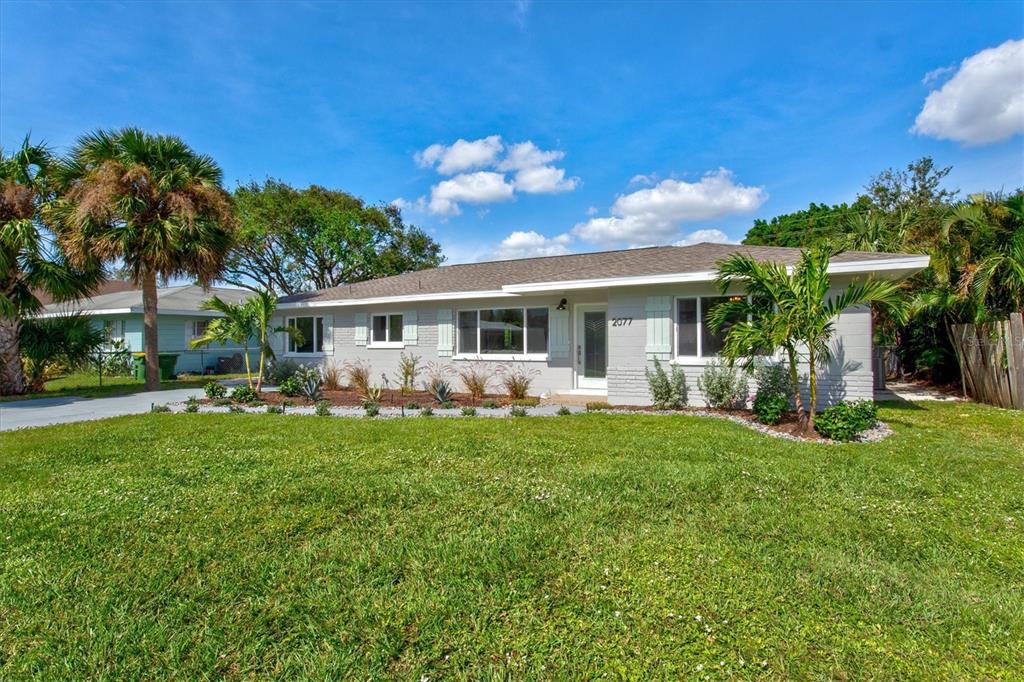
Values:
[(167, 363)]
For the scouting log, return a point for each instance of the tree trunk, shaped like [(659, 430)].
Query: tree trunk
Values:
[(248, 369), (812, 390), (12, 374), (794, 378), (150, 340)]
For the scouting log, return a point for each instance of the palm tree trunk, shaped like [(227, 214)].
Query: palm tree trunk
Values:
[(248, 369), (794, 379), (812, 390), (12, 374), (149, 331), (263, 355)]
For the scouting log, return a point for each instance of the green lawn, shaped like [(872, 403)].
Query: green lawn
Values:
[(242, 546), (87, 385)]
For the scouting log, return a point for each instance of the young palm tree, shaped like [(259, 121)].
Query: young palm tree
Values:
[(261, 307), (150, 202), (29, 265), (791, 309), (238, 326), (68, 339)]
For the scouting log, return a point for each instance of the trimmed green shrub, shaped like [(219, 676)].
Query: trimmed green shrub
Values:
[(768, 409), (667, 392), (323, 408), (518, 411), (371, 409), (468, 411), (291, 387), (564, 411), (279, 370), (845, 420), (275, 409), (771, 399), (222, 402), (427, 411), (214, 390), (490, 404), (412, 405), (244, 394), (723, 386), (532, 401)]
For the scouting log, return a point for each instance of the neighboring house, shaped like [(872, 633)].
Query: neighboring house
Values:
[(588, 323), (179, 320)]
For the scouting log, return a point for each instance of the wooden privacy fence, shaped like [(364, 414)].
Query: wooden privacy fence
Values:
[(991, 357)]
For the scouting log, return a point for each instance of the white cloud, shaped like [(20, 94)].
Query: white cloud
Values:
[(531, 244), (651, 216), (982, 103), (644, 180), (544, 180), (528, 155), (935, 75), (482, 187), (710, 235), (462, 155)]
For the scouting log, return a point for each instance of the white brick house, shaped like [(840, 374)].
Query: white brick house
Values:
[(588, 323)]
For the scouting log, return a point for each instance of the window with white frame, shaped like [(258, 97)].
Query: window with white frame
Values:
[(198, 327), (386, 329), (694, 335), (503, 331), (312, 330)]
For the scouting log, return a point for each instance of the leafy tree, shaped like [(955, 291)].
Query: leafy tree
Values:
[(151, 202), (917, 187), (29, 263), (70, 340), (791, 309), (295, 240), (819, 223)]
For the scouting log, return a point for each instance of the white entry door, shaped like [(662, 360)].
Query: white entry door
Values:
[(591, 346)]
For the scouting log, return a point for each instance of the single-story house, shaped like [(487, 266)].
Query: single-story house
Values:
[(179, 320), (587, 323)]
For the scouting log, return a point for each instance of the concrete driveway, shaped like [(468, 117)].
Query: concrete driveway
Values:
[(20, 414)]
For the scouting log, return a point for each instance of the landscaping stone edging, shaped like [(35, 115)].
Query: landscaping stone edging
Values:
[(880, 431)]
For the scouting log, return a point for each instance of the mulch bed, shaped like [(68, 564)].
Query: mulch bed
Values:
[(389, 398), (789, 425)]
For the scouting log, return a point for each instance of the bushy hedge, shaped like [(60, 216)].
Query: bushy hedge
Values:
[(845, 420), (771, 399), (214, 390)]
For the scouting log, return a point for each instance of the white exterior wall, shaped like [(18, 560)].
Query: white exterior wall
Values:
[(848, 376)]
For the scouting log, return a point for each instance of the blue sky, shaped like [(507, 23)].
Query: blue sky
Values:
[(584, 126)]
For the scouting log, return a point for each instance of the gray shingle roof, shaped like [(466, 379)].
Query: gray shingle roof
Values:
[(187, 298), (491, 276)]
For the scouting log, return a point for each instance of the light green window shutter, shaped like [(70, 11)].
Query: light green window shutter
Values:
[(659, 326), (559, 344), (409, 328), (280, 339), (360, 329), (328, 344), (445, 333)]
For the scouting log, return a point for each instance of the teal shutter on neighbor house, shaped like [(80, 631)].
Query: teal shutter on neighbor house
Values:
[(658, 312), (445, 332), (409, 328), (360, 329), (559, 345)]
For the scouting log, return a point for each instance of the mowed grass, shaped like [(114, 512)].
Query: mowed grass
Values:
[(254, 546), (87, 385)]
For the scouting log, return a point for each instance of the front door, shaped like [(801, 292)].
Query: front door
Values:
[(591, 346)]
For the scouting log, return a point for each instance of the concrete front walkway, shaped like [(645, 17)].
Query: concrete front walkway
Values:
[(19, 414)]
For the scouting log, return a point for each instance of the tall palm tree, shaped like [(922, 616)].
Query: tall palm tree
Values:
[(792, 309), (150, 202), (261, 307), (29, 263), (238, 326)]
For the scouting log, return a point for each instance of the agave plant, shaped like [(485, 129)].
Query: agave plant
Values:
[(441, 391), (371, 396), (312, 385)]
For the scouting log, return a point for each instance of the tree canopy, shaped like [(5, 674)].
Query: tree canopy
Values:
[(295, 240)]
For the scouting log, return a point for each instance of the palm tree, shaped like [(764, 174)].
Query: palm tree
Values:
[(237, 326), (791, 309), (150, 202), (29, 263), (261, 307), (68, 339)]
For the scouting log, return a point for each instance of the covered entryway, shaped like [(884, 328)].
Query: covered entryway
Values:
[(591, 337)]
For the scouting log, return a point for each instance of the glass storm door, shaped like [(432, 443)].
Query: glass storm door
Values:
[(591, 346)]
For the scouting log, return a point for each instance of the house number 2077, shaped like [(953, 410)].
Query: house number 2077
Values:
[(622, 321)]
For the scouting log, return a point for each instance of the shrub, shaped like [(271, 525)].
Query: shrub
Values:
[(310, 383), (291, 386), (597, 406), (427, 411), (408, 370), (526, 402), (331, 378), (357, 374), (118, 360), (412, 405), (771, 399), (244, 394), (214, 390), (564, 411), (490, 404), (237, 409), (723, 387), (323, 408), (517, 380), (475, 377), (448, 405), (222, 402), (275, 409), (279, 370), (159, 408), (371, 396), (468, 411), (843, 421), (518, 411), (371, 409), (192, 404), (667, 392), (441, 391)]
